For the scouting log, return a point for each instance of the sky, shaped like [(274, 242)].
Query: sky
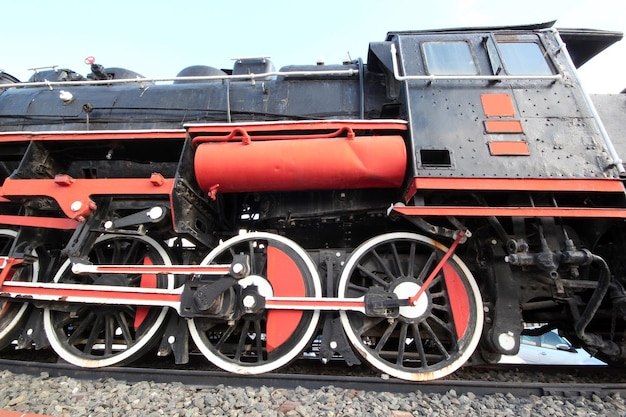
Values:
[(158, 38)]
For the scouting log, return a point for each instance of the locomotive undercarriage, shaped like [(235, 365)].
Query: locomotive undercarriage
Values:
[(527, 270)]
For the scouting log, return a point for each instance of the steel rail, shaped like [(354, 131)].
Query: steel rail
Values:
[(203, 378)]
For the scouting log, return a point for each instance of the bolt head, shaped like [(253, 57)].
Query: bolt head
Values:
[(155, 212), (506, 340), (237, 268), (249, 301)]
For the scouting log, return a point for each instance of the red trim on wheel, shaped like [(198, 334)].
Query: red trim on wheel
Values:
[(459, 301), (147, 281), (287, 281)]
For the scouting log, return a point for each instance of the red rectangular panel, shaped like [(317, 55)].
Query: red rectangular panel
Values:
[(503, 126), (504, 148), (497, 105)]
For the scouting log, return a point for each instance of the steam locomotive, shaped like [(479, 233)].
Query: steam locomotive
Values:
[(412, 212)]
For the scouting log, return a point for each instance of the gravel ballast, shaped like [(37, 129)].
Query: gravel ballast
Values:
[(64, 396)]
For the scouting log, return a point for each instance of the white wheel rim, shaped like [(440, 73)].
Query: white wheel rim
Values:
[(123, 355), (375, 360), (226, 365), (24, 305)]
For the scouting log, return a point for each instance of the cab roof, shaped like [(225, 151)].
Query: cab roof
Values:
[(582, 44)]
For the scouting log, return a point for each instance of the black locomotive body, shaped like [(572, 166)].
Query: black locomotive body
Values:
[(418, 209)]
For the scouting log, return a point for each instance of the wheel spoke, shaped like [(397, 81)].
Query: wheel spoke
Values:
[(401, 343), (243, 336), (396, 258), (383, 339), (384, 266), (98, 254), (128, 253), (82, 328), (220, 344), (356, 290), (419, 345), (373, 276), (411, 261), (436, 340), (433, 284), (110, 337), (93, 335), (258, 340), (118, 254), (427, 267), (120, 318), (441, 324), (253, 343), (400, 263)]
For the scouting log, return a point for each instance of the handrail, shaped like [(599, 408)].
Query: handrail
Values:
[(433, 77), (140, 80), (247, 138)]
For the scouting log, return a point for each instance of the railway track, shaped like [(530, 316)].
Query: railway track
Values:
[(517, 380)]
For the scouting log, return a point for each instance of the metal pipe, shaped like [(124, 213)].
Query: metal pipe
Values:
[(592, 340), (361, 90)]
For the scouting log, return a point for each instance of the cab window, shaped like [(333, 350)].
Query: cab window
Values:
[(449, 58), (524, 58)]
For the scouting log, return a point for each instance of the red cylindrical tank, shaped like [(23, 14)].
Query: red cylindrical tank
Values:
[(301, 164)]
